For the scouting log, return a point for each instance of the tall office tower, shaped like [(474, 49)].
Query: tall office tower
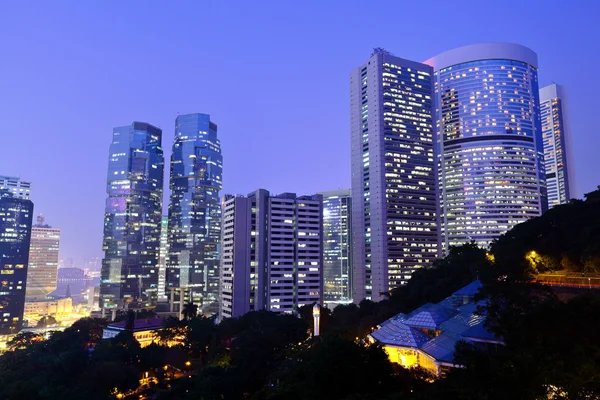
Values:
[(394, 228), (15, 234), (337, 239), (195, 211), (16, 186), (133, 215), (162, 263), (272, 253), (490, 153), (557, 145), (43, 260)]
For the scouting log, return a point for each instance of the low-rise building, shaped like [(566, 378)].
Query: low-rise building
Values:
[(143, 330), (427, 336)]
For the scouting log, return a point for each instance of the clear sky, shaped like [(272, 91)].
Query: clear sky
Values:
[(273, 75)]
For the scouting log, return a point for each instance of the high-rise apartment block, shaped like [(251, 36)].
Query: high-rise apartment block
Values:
[(393, 176), (162, 261), (133, 213), (489, 141), (15, 234), (43, 260), (556, 136), (195, 211), (337, 249), (16, 186), (272, 254)]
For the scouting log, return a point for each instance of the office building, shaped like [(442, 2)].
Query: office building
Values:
[(337, 239), (272, 253), (556, 136), (195, 211), (133, 215), (15, 235), (394, 228), (16, 186), (43, 260), (162, 263), (490, 153)]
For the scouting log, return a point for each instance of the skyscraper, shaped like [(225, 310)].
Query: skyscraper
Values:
[(162, 264), (195, 211), (556, 136), (337, 239), (393, 176), (490, 154), (16, 186), (15, 234), (43, 260), (133, 215), (272, 253)]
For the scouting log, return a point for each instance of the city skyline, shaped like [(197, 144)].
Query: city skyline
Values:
[(327, 126)]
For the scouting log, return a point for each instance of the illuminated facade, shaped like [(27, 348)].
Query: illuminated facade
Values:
[(162, 263), (557, 145), (394, 230), (337, 239), (195, 211), (272, 253), (489, 141), (43, 260), (16, 186), (16, 216), (133, 215)]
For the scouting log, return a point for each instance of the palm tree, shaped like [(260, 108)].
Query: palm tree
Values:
[(190, 310)]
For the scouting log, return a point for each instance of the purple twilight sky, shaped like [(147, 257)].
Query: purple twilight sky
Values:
[(273, 75)]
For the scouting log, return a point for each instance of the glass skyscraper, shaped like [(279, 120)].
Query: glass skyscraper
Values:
[(162, 264), (16, 186), (195, 211), (393, 176), (337, 239), (557, 145), (489, 141), (43, 260), (15, 235), (132, 221)]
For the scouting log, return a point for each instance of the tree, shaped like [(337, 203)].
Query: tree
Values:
[(190, 310), (23, 340), (46, 321)]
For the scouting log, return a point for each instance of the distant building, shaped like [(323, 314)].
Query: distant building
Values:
[(427, 336), (16, 216), (132, 220), (162, 260), (272, 253), (195, 211), (556, 135), (16, 186), (337, 250), (53, 308), (489, 141), (43, 260), (394, 202)]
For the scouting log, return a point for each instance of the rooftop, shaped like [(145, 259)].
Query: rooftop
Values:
[(139, 324)]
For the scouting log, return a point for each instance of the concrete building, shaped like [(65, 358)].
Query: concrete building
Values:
[(16, 186), (43, 260), (272, 254), (556, 135), (162, 260), (337, 247), (489, 141), (54, 308), (394, 222)]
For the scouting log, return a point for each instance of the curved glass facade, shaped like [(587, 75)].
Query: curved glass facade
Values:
[(132, 217), (490, 153), (195, 210)]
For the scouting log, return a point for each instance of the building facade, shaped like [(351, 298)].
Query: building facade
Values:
[(556, 136), (272, 253), (132, 221), (42, 272), (16, 186), (195, 211), (16, 216), (393, 176), (337, 249), (489, 141), (162, 261)]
